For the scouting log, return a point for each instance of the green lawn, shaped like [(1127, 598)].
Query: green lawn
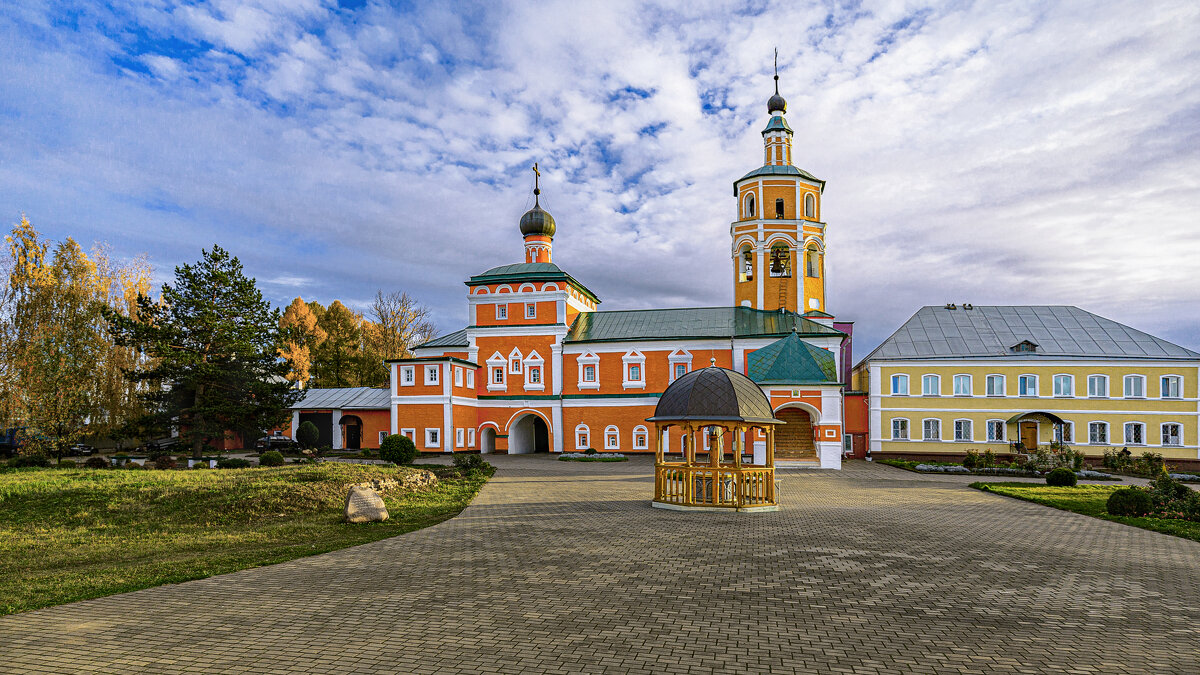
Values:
[(72, 534), (1090, 501)]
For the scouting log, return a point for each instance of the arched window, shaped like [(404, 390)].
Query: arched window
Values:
[(781, 261), (812, 266), (746, 264), (583, 437), (748, 210), (778, 208), (641, 438), (810, 206), (612, 438)]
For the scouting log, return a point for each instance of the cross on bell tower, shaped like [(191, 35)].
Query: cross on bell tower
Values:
[(537, 226)]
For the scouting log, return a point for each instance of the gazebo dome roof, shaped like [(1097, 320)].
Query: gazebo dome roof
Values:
[(714, 395)]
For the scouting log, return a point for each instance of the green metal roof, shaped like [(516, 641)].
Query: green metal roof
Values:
[(792, 361), (519, 272), (698, 322), (778, 170), (777, 123)]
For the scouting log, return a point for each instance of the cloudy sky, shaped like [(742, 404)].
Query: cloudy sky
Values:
[(994, 153)]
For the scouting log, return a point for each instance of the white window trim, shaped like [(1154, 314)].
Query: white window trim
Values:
[(411, 433), (1067, 424), (987, 427), (633, 358), (497, 360), (1107, 385), (433, 437), (1125, 429), (1179, 378), (587, 443), (471, 437), (470, 378), (588, 359), (1162, 434), (970, 384), (1107, 433), (904, 378), (535, 361), (1003, 385), (502, 311), (460, 437), (1125, 386), (382, 435), (907, 429), (639, 429), (515, 357), (611, 432), (938, 384), (1054, 385), (458, 376), (971, 439), (531, 310), (679, 356), (1035, 386), (411, 371), (939, 425), (433, 374)]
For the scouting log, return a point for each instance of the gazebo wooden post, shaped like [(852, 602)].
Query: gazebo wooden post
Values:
[(770, 446), (739, 446), (714, 451), (689, 458)]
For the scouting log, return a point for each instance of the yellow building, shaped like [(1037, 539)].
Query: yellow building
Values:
[(955, 378)]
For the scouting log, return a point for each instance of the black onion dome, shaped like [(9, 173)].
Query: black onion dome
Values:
[(776, 102), (537, 221), (714, 394)]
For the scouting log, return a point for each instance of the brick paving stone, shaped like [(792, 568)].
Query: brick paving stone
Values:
[(562, 567)]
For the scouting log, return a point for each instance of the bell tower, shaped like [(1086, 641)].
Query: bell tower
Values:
[(778, 246)]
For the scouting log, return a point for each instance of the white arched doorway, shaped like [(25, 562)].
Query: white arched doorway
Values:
[(487, 440), (795, 439), (528, 434)]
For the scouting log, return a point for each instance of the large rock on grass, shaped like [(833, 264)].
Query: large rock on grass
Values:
[(364, 505)]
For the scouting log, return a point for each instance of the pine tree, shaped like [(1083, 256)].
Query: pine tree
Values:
[(215, 342)]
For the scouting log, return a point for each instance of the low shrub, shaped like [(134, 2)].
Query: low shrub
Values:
[(163, 462), (154, 453), (589, 451), (22, 461), (397, 449), (1129, 502), (307, 434), (66, 464), (470, 463), (988, 460), (1061, 477), (234, 463), (134, 465), (202, 464), (96, 463), (971, 460), (271, 458), (1150, 464)]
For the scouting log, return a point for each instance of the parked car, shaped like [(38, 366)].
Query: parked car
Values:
[(81, 450), (170, 445), (276, 443)]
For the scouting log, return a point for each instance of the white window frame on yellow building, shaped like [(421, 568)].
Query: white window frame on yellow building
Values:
[(1061, 391), (1100, 424), (999, 424), (937, 385), (1142, 386), (925, 429), (1162, 430), (989, 390), (907, 429), (970, 428), (897, 379), (1163, 387), (1095, 392), (1021, 381), (1130, 425), (960, 379)]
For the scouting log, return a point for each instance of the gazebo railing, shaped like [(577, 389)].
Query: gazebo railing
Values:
[(724, 486)]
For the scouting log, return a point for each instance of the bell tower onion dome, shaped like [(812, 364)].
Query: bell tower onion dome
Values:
[(537, 226)]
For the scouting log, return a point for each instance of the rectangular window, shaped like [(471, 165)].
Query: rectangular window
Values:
[(1172, 434), (408, 376), (501, 312), (1065, 432), (433, 438), (382, 435), (431, 374), (470, 379), (611, 440), (458, 376), (1027, 385), (900, 385), (581, 440), (460, 436), (514, 366), (995, 385), (1172, 386), (962, 430), (931, 385), (635, 373), (680, 370), (931, 430), (535, 374), (962, 385), (639, 440), (1135, 433), (531, 310), (1097, 386), (1064, 385), (900, 430), (1135, 386), (589, 373), (470, 438), (498, 375), (995, 430), (1098, 433)]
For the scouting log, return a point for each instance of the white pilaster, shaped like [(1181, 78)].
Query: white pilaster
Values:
[(337, 430), (295, 423)]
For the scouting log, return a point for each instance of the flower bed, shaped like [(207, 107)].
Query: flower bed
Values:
[(594, 457), (1085, 474)]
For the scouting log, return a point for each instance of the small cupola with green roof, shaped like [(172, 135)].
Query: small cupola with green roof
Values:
[(537, 226)]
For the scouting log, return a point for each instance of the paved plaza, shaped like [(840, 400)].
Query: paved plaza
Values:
[(562, 567)]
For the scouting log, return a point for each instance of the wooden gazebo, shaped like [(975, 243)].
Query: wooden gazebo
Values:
[(727, 408)]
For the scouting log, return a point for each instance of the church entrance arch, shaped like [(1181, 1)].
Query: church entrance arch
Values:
[(528, 434), (487, 440), (794, 440)]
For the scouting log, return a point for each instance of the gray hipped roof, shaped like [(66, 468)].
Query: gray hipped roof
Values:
[(349, 398), (991, 331)]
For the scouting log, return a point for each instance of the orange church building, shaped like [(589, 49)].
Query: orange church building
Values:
[(540, 368)]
